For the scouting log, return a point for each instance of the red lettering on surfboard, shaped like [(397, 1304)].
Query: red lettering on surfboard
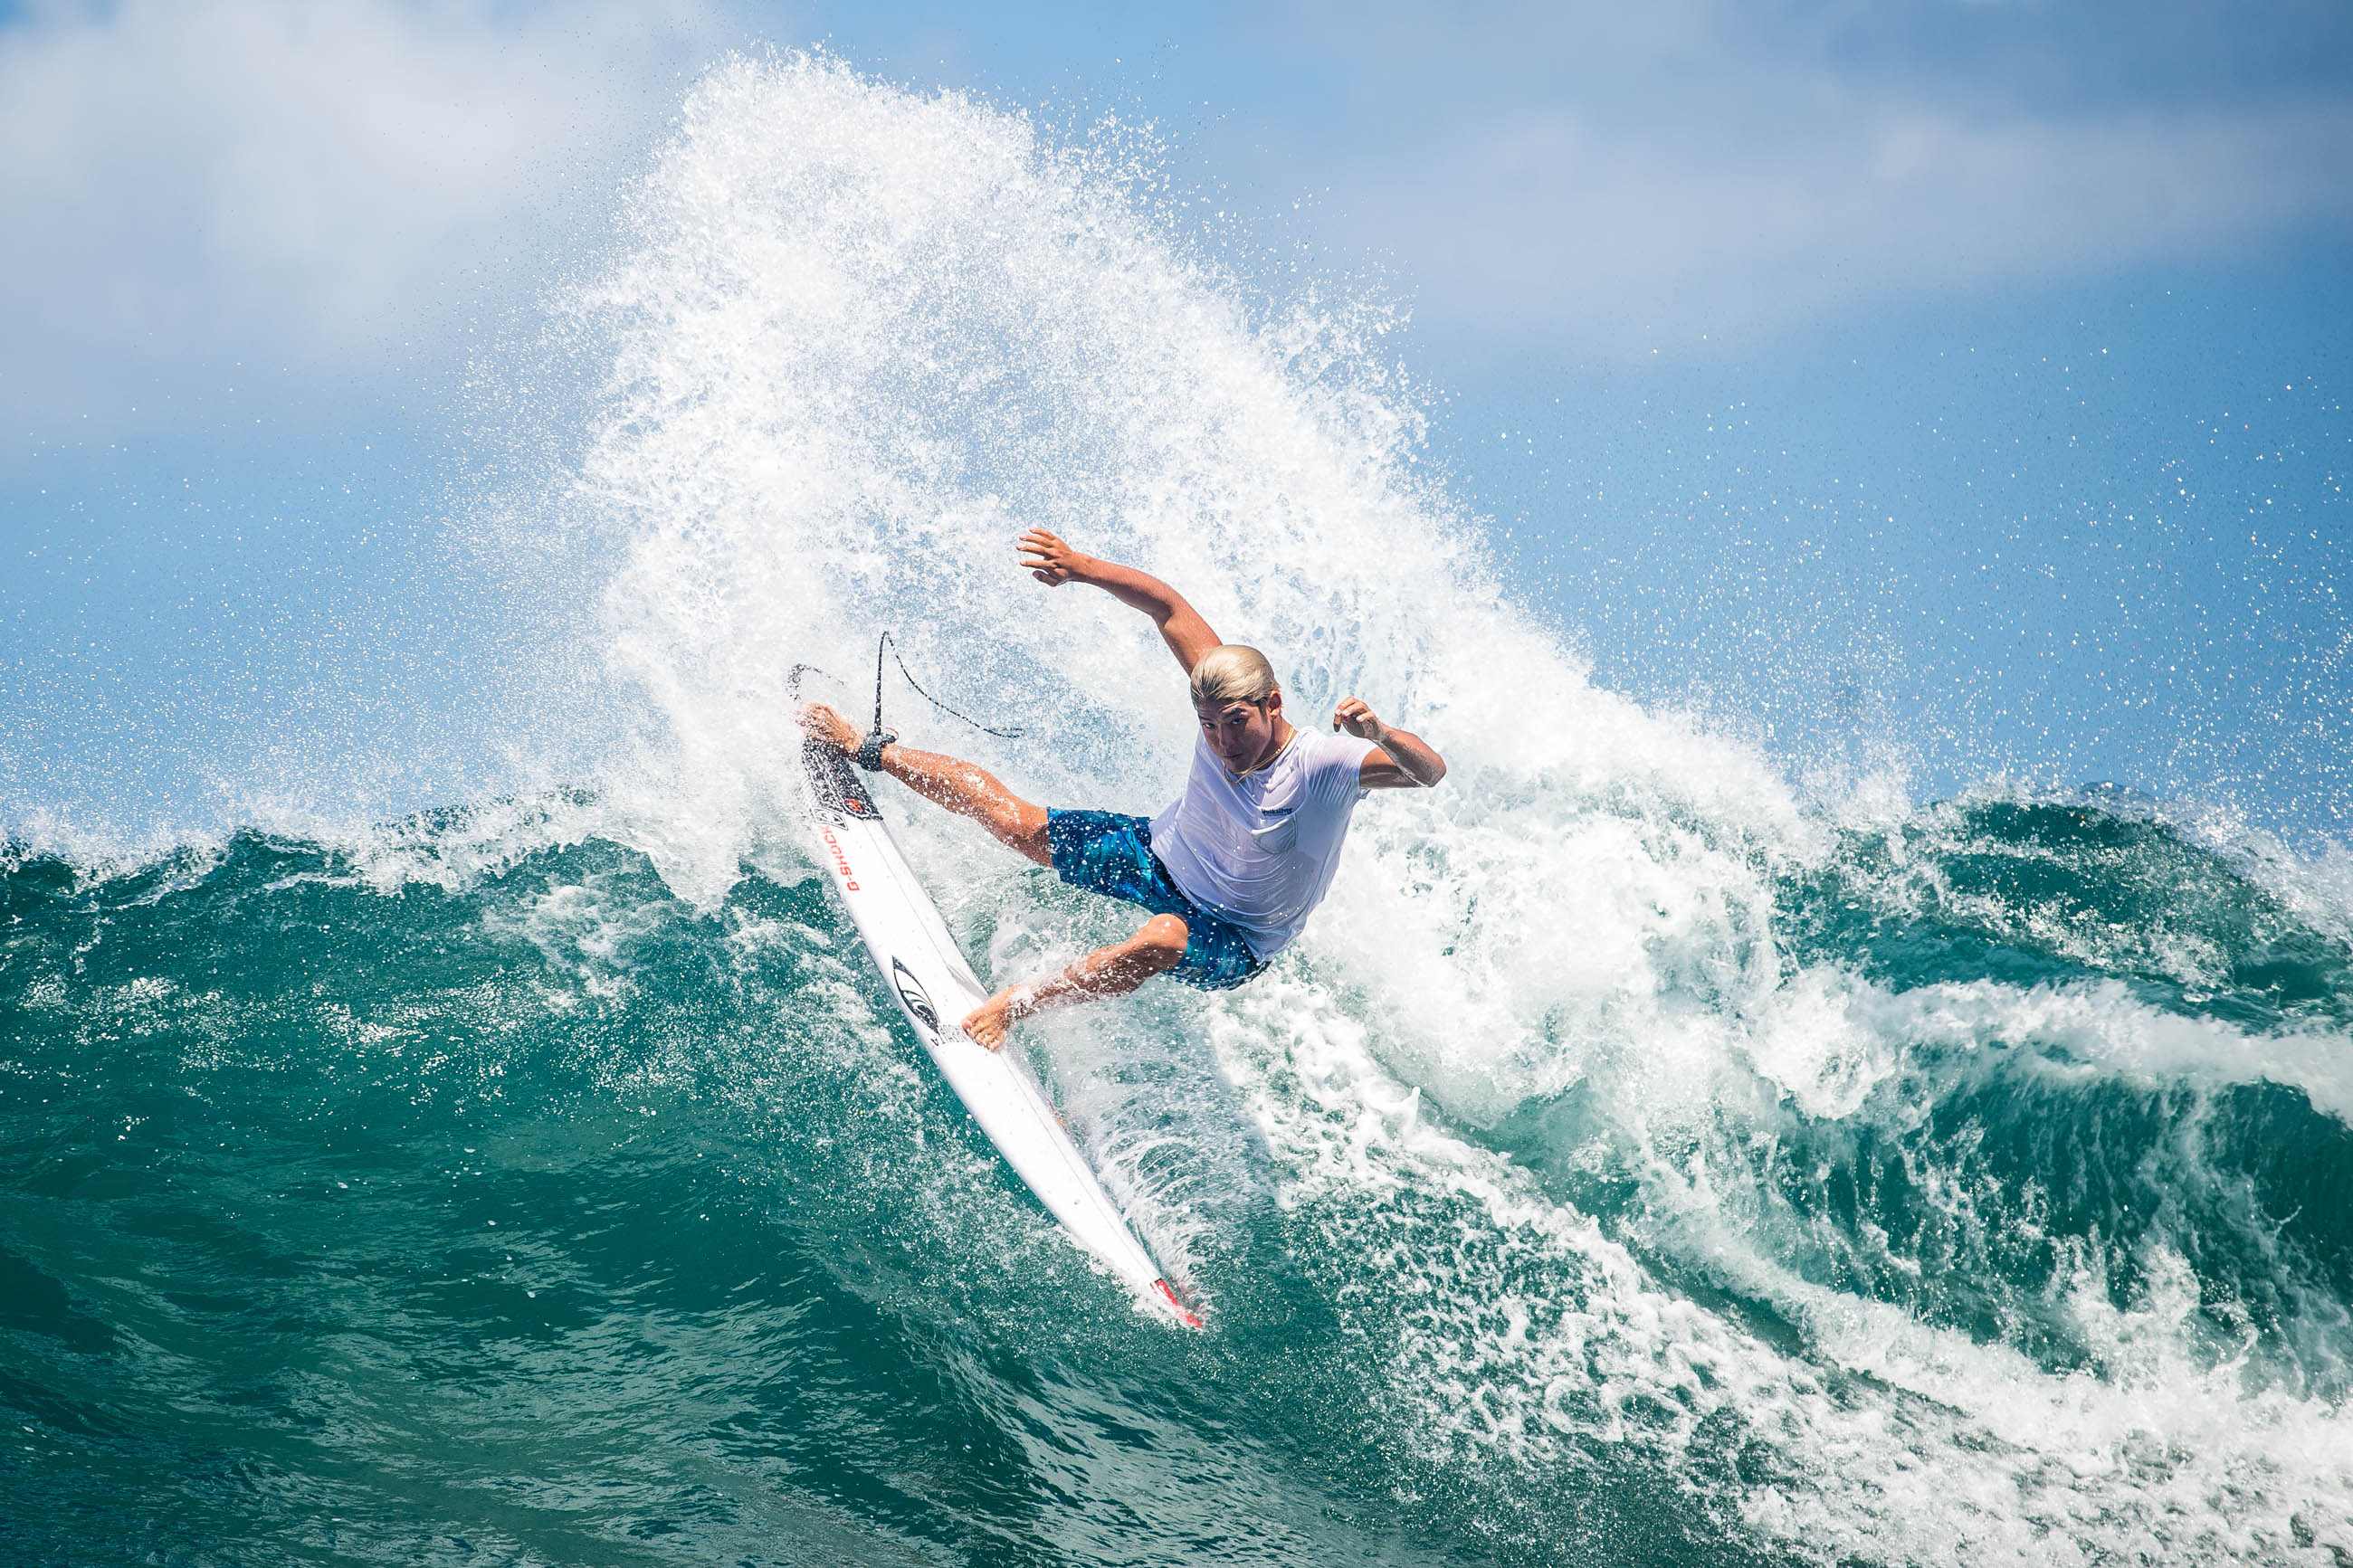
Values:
[(840, 861), (1183, 1311)]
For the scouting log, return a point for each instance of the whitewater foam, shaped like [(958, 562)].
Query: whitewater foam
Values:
[(1547, 1103), (859, 338)]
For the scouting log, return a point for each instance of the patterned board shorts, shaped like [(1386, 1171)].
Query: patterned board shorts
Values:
[(1106, 853)]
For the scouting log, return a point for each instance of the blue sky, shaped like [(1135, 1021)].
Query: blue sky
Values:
[(1964, 377)]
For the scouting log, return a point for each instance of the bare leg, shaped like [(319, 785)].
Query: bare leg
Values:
[(1112, 970), (962, 788), (973, 791)]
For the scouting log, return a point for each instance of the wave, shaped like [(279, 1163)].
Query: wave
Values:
[(1634, 1152)]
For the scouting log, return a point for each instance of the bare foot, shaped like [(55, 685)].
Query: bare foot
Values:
[(821, 724), (989, 1022)]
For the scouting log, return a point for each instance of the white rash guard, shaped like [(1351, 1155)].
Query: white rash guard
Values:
[(1259, 851)]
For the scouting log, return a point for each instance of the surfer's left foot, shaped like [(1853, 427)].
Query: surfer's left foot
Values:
[(989, 1022)]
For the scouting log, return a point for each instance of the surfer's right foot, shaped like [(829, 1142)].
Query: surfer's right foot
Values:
[(822, 724), (989, 1022)]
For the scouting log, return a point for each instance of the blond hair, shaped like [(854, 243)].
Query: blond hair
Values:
[(1233, 673)]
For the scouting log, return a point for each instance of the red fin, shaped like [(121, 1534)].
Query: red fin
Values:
[(1183, 1311)]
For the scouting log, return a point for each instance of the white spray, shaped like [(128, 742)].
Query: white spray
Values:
[(860, 339)]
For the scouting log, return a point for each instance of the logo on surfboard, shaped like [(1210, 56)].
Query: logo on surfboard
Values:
[(834, 787), (911, 992)]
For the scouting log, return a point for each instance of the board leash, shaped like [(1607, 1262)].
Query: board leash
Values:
[(892, 646), (870, 749)]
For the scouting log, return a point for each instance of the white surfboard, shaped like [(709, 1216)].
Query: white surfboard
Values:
[(924, 970)]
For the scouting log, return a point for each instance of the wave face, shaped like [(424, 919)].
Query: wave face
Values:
[(1632, 1164)]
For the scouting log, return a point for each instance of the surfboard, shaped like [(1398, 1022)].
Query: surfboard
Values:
[(925, 973)]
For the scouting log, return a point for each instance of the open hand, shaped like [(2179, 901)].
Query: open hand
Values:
[(1049, 560), (1352, 716)]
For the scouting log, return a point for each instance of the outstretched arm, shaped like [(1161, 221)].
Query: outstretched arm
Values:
[(1053, 563), (1405, 760)]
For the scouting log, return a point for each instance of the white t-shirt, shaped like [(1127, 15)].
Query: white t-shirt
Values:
[(1260, 851)]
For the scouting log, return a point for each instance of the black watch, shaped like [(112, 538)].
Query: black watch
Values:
[(870, 749)]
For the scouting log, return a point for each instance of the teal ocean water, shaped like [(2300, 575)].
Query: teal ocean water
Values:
[(1639, 1161), (545, 1217)]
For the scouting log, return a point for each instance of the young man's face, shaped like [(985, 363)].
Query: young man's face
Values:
[(1240, 733)]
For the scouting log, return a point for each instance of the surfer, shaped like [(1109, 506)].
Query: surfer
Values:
[(1231, 871)]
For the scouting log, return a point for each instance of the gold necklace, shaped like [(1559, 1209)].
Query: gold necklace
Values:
[(1237, 777)]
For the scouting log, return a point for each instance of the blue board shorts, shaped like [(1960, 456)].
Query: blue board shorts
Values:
[(1106, 853)]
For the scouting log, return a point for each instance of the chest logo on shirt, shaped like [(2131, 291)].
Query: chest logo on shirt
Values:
[(1277, 835)]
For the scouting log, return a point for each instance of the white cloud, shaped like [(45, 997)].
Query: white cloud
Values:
[(192, 182), (188, 183), (1597, 181)]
